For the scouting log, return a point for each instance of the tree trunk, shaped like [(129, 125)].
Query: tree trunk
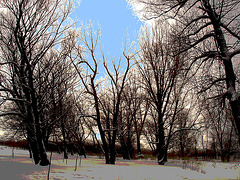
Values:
[(35, 151), (222, 156), (42, 151), (65, 155), (32, 141), (113, 148), (35, 139), (41, 146), (235, 105), (181, 148), (98, 120), (138, 144), (115, 124), (161, 154), (130, 149), (29, 148), (161, 145), (124, 148), (229, 71)]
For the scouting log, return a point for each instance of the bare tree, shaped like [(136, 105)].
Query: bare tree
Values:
[(88, 78), (29, 29), (159, 70), (133, 114), (117, 82), (138, 105), (220, 123), (90, 40), (212, 30)]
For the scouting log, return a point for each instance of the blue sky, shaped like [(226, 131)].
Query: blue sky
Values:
[(114, 17), (116, 20)]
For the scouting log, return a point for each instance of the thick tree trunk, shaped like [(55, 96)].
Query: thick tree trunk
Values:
[(181, 149), (161, 144), (42, 151), (35, 151), (138, 144), (98, 120), (130, 149), (124, 148), (233, 95), (41, 146), (115, 125), (105, 146), (235, 105), (161, 154), (29, 148), (222, 156), (39, 135), (103, 138), (35, 136), (113, 148), (32, 141)]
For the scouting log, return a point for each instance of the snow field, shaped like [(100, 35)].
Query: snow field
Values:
[(22, 167)]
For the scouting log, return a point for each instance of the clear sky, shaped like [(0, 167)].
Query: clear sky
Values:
[(115, 18)]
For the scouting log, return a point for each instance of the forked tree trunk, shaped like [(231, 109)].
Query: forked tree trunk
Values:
[(113, 148), (35, 138), (33, 146), (114, 136), (43, 155), (41, 146), (101, 132), (35, 151)]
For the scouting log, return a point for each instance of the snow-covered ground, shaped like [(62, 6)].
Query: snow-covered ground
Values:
[(21, 167)]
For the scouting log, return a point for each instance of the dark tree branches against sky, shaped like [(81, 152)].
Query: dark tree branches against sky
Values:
[(211, 28)]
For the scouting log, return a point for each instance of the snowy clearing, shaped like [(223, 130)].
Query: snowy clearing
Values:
[(22, 167)]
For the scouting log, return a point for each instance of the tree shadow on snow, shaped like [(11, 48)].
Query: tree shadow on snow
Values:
[(17, 170)]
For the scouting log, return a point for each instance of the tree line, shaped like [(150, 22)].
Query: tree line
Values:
[(177, 90)]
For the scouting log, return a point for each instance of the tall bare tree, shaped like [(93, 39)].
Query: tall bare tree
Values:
[(85, 58), (211, 28), (29, 29), (217, 114), (88, 77), (117, 82), (135, 111), (159, 70)]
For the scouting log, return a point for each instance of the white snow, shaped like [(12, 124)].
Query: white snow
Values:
[(21, 167)]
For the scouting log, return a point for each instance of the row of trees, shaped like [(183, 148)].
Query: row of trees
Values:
[(210, 30), (161, 95)]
